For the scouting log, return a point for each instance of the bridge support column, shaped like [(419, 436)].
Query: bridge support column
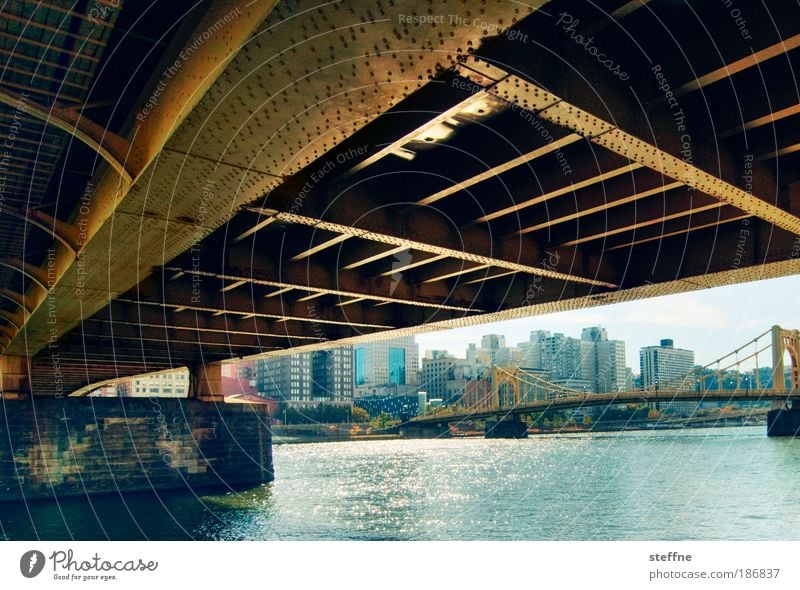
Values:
[(784, 421), (511, 427), (15, 380), (78, 446), (425, 430), (205, 382)]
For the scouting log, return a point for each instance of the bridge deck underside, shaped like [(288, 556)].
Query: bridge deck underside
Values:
[(401, 179)]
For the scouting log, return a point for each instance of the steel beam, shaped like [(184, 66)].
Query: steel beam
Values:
[(115, 150), (467, 246)]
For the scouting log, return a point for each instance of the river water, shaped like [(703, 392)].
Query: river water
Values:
[(701, 484)]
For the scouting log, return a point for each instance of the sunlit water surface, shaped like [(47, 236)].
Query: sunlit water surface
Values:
[(706, 484)]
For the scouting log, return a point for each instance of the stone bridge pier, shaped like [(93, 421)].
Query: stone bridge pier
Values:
[(57, 447)]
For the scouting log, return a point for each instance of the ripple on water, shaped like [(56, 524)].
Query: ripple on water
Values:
[(726, 483)]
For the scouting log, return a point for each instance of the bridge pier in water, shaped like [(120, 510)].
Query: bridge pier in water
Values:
[(509, 427), (84, 446), (425, 430), (783, 420)]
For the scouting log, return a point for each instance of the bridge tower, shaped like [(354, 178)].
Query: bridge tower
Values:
[(782, 341), (781, 420), (505, 388)]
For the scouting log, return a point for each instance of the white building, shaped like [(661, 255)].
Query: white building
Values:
[(605, 361), (565, 359), (169, 384), (666, 367)]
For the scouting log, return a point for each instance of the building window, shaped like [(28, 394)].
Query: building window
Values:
[(397, 366), (359, 366)]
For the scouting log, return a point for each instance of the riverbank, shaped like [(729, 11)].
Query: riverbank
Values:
[(298, 434), (292, 440)]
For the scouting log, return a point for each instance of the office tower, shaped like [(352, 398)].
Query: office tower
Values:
[(604, 360), (386, 366), (665, 366), (564, 359), (319, 376)]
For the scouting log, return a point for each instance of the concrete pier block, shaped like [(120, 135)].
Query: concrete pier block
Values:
[(783, 422), (84, 446), (506, 428), (425, 430)]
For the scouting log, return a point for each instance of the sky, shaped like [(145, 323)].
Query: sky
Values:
[(711, 322)]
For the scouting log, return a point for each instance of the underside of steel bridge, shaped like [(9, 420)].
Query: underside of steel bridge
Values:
[(182, 186)]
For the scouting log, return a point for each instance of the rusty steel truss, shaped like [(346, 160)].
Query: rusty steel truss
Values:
[(244, 178)]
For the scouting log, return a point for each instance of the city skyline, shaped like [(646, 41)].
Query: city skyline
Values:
[(707, 321)]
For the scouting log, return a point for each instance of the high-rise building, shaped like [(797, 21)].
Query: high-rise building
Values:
[(533, 352), (491, 346), (665, 366), (444, 377), (332, 374), (319, 376), (285, 377), (472, 359), (493, 341), (564, 359), (386, 365), (605, 361)]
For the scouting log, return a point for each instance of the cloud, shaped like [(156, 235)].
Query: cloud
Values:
[(677, 311)]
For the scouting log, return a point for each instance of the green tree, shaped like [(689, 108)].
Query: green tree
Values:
[(379, 422), (359, 415)]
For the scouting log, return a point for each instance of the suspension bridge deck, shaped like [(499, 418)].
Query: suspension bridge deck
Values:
[(598, 399)]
